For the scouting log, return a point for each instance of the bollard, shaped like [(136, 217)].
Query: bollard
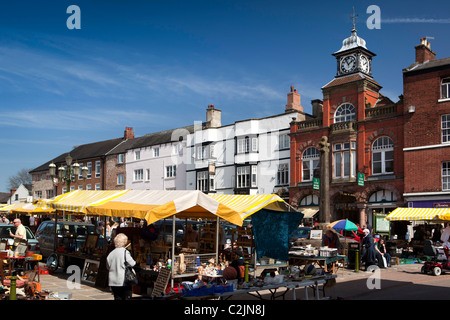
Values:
[(356, 260), (12, 291), (246, 271)]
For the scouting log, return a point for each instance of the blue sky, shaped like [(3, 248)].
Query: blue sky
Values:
[(157, 64)]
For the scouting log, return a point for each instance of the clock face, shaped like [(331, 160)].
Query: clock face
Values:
[(364, 64), (348, 63)]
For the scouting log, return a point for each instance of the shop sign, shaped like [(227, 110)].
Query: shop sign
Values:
[(360, 179), (316, 183), (442, 205)]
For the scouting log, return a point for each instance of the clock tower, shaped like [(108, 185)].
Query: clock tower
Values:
[(354, 57), (356, 140)]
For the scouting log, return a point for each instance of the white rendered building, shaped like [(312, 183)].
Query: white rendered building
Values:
[(247, 157), (155, 161)]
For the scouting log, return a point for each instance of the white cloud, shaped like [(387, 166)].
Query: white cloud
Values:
[(414, 20), (80, 119)]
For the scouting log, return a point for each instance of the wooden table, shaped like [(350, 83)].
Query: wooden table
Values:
[(322, 262)]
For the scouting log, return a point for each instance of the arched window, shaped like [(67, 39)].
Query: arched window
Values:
[(310, 161), (382, 196), (345, 112), (383, 156), (309, 201)]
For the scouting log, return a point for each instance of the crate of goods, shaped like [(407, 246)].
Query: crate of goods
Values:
[(328, 252), (43, 270)]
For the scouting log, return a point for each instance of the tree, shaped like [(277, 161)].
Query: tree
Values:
[(21, 177)]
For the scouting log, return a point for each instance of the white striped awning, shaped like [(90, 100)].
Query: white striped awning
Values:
[(153, 205), (246, 205), (78, 200), (415, 214)]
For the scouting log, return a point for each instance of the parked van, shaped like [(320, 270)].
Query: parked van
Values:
[(45, 234)]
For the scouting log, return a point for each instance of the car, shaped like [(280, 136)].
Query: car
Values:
[(165, 230), (33, 243), (45, 234)]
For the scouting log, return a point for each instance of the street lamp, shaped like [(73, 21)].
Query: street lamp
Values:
[(66, 174)]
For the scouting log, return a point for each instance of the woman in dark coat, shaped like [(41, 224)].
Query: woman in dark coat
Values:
[(370, 254)]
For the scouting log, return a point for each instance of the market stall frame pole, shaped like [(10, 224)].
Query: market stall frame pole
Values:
[(172, 273), (217, 239)]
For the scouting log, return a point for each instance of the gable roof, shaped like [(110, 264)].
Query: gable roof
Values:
[(117, 146), (4, 197), (162, 137), (82, 152), (348, 79), (426, 66)]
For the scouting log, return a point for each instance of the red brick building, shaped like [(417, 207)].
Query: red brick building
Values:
[(365, 132), (105, 163), (426, 85)]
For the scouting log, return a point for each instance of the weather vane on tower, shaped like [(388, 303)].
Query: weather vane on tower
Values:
[(354, 17)]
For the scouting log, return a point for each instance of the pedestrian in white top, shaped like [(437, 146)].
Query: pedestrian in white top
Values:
[(445, 236), (116, 267)]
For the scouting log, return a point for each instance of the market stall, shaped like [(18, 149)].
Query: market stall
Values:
[(421, 222), (156, 205), (188, 205)]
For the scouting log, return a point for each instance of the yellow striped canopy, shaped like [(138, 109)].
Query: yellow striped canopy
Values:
[(415, 214), (9, 208), (154, 205), (77, 201), (30, 208), (247, 205)]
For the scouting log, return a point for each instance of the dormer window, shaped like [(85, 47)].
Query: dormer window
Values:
[(345, 112)]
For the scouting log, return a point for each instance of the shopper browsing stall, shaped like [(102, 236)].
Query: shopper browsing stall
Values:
[(116, 267)]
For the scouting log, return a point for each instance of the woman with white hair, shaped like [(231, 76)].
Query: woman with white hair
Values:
[(116, 267), (370, 255)]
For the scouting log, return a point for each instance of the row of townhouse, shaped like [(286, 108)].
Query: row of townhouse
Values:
[(383, 154), (248, 157)]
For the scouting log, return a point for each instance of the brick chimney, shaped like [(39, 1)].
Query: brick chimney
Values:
[(317, 108), (424, 52), (128, 133), (293, 101), (213, 117)]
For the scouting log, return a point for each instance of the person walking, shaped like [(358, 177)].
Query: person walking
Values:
[(370, 254), (116, 268)]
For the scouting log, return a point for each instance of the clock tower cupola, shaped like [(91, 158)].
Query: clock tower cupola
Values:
[(353, 57)]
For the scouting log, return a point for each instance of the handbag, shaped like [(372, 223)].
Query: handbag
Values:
[(130, 276)]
